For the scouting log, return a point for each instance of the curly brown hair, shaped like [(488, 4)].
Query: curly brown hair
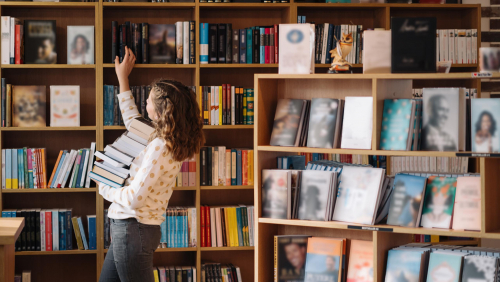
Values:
[(179, 121)]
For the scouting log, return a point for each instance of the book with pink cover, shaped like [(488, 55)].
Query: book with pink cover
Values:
[(360, 267), (467, 213)]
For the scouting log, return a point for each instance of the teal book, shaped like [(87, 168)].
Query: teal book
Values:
[(249, 45), (25, 168), (404, 265), (395, 124), (438, 202), (445, 266), (15, 177), (20, 170), (240, 227), (406, 201)]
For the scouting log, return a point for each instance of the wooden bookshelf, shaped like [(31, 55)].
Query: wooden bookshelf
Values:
[(91, 78)]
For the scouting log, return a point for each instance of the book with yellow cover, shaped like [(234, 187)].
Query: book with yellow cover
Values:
[(324, 259), (78, 236), (360, 267)]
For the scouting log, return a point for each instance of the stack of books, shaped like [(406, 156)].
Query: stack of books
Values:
[(226, 105), (214, 271), (117, 157), (25, 277), (231, 226), (79, 162), (51, 230)]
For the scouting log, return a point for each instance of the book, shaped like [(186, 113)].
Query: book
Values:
[(65, 105), (467, 207), (395, 124), (445, 266), (484, 135), (315, 187), (276, 188), (406, 201), (357, 123), (324, 259), (323, 121), (28, 105), (296, 52), (290, 253), (479, 268), (203, 43), (289, 113), (162, 43), (5, 44), (405, 264), (360, 267), (438, 202), (80, 45), (40, 42)]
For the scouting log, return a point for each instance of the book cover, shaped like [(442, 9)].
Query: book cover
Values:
[(467, 210), (440, 128), (28, 105), (80, 45), (203, 43), (357, 124), (438, 202), (286, 122), (65, 105), (322, 122), (360, 267), (406, 201), (290, 253), (296, 49), (275, 193), (324, 259), (40, 42), (162, 43), (445, 266), (314, 191), (395, 124), (485, 116), (403, 265), (359, 191), (479, 269)]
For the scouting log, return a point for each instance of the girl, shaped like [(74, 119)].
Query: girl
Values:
[(137, 208)]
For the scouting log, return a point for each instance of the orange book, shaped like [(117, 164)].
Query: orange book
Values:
[(360, 267), (244, 167), (55, 167), (44, 161), (324, 259)]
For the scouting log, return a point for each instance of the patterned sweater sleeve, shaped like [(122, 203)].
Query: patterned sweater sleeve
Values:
[(133, 196), (128, 108)]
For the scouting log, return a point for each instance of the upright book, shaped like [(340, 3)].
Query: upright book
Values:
[(276, 193), (358, 123), (29, 106), (286, 128), (438, 202), (65, 105), (40, 42), (80, 45), (395, 124), (322, 122), (290, 253), (485, 116), (162, 43), (324, 259), (406, 201)]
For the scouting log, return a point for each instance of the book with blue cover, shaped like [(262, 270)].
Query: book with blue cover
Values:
[(203, 43), (405, 265), (445, 266), (82, 233), (324, 260), (62, 229), (91, 220), (249, 34), (396, 119), (15, 180), (163, 227), (406, 202)]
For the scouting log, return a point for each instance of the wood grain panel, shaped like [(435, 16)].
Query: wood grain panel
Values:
[(78, 268)]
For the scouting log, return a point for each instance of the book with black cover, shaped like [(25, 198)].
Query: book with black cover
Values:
[(123, 41), (40, 42), (413, 45), (162, 44), (229, 31), (256, 45), (192, 42), (145, 43), (221, 42), (212, 53), (114, 40)]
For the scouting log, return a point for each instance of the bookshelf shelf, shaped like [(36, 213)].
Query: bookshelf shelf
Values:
[(228, 127), (49, 128), (168, 250), (55, 253), (147, 5), (233, 5), (157, 66), (189, 188), (361, 65), (114, 127), (204, 249), (237, 66), (235, 187), (75, 5), (44, 66), (51, 190)]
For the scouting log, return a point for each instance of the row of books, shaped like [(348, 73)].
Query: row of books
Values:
[(425, 262), (431, 164), (21, 41), (244, 1), (116, 158), (230, 226), (458, 46), (187, 175), (220, 272), (154, 43), (374, 161), (304, 258), (25, 105), (220, 166), (226, 105), (174, 273), (24, 277), (221, 44), (111, 112), (325, 42), (52, 230), (470, 93)]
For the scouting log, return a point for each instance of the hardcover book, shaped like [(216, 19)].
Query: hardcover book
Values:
[(40, 42), (360, 267), (286, 122), (479, 269), (296, 49), (65, 105), (467, 212), (404, 265), (322, 122), (324, 259), (80, 45), (395, 124), (314, 191), (406, 202), (290, 252), (276, 187), (358, 123), (162, 43), (29, 106), (445, 266), (438, 202), (485, 115)]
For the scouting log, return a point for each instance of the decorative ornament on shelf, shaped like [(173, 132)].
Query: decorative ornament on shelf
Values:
[(339, 63)]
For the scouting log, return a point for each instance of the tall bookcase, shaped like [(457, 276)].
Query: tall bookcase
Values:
[(79, 265)]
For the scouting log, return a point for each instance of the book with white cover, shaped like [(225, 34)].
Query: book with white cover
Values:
[(296, 49), (89, 167), (114, 170), (125, 158), (65, 105), (132, 142), (358, 194), (110, 160), (64, 168), (377, 51), (358, 123), (137, 138), (80, 44), (5, 28), (84, 169)]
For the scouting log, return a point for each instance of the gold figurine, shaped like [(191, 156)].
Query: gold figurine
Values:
[(339, 63)]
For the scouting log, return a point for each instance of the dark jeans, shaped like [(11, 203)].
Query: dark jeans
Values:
[(130, 255)]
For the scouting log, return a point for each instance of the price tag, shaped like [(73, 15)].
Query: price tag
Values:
[(481, 74)]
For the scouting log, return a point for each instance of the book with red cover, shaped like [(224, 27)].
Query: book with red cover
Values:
[(267, 47), (185, 174), (272, 47), (203, 226), (48, 230), (244, 166), (192, 171), (276, 44), (207, 224), (18, 45)]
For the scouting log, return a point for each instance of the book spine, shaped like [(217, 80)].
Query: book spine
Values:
[(262, 45), (233, 101), (8, 102), (236, 46), (4, 175), (203, 43), (43, 246), (238, 168), (17, 47), (244, 106), (69, 231), (145, 43), (3, 109), (228, 167), (185, 43), (250, 167), (249, 34), (267, 45), (224, 104), (221, 42), (179, 41), (62, 230), (244, 167), (35, 169), (5, 28), (48, 230), (213, 44), (123, 41), (250, 106), (243, 46), (192, 42), (128, 40), (328, 59), (15, 176), (229, 49), (114, 40)]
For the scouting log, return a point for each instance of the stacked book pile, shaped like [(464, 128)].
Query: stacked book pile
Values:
[(116, 159)]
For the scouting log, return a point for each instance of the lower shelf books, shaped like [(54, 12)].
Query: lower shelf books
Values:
[(374, 161), (174, 273), (187, 175), (220, 166), (24, 277), (52, 230), (220, 272), (431, 164), (229, 226), (226, 105), (427, 262)]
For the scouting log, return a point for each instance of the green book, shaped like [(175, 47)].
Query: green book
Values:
[(77, 166), (250, 106), (25, 163)]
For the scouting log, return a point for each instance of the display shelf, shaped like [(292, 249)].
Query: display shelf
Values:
[(49, 128), (51, 5), (157, 66), (234, 5), (237, 66), (147, 5), (47, 66), (50, 190), (204, 249), (56, 253), (228, 126), (114, 127), (233, 187)]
